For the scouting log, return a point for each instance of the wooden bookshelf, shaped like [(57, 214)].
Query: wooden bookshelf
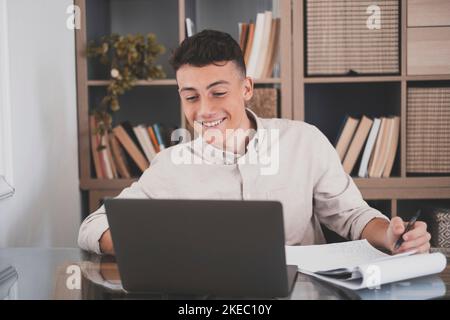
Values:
[(101, 17), (402, 188), (392, 195)]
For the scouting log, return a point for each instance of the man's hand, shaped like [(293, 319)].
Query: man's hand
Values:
[(106, 244), (416, 239)]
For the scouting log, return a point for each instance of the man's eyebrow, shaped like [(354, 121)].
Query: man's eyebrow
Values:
[(187, 89), (208, 87), (217, 83)]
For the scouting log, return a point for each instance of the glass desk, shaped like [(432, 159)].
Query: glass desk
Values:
[(69, 273)]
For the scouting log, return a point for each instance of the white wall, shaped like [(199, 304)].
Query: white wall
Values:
[(45, 211)]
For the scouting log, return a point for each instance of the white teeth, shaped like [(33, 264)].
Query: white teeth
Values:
[(212, 123)]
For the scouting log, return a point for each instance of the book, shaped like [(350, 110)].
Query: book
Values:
[(95, 142), (111, 166), (159, 136), (356, 264), (357, 143), (392, 148), (256, 46), (104, 160), (265, 42), (375, 157), (385, 145), (345, 136), (152, 135), (362, 173), (190, 27), (119, 157), (243, 35), (145, 142), (249, 44), (273, 48), (124, 133)]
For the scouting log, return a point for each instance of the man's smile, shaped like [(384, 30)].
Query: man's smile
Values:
[(213, 123)]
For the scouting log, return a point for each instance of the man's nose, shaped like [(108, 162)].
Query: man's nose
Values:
[(206, 110)]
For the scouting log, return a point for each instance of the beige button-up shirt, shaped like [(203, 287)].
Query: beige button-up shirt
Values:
[(288, 161)]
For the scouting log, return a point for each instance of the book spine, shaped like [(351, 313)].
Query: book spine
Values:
[(249, 45), (256, 47), (131, 148), (155, 143), (119, 157), (105, 157), (157, 130), (95, 142), (362, 173)]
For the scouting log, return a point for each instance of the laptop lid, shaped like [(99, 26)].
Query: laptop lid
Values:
[(217, 247)]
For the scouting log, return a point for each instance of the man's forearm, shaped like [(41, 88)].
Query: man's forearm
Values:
[(375, 232), (106, 244)]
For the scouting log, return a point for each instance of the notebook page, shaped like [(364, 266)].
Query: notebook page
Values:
[(413, 266), (392, 270), (332, 256)]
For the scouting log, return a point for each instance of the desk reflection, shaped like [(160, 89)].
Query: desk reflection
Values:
[(69, 273), (101, 280)]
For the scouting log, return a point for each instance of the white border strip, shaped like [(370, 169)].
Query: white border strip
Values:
[(6, 163)]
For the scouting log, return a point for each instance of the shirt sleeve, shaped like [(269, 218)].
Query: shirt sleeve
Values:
[(338, 203), (93, 227)]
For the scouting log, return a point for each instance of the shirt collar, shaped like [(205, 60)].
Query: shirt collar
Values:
[(214, 155)]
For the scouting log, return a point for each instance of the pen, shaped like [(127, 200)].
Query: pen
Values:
[(408, 227)]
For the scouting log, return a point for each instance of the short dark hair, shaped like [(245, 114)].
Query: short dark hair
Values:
[(208, 47)]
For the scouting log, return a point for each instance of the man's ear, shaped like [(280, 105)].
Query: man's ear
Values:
[(248, 89)]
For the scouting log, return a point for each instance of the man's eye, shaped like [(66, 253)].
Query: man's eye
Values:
[(219, 94), (191, 98)]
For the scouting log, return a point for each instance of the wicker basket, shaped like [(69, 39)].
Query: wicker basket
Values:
[(439, 227)]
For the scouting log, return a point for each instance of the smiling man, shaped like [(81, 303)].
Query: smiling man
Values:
[(309, 179)]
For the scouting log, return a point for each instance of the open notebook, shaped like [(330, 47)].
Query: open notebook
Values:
[(357, 265)]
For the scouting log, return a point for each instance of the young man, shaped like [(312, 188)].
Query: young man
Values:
[(305, 175)]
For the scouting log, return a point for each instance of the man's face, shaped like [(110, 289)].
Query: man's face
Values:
[(213, 97)]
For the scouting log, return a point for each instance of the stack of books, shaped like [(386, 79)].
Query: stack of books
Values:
[(258, 41), (127, 151), (259, 44), (352, 37), (376, 138), (428, 130)]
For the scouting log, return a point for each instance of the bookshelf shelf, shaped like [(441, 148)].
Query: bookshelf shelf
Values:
[(353, 79), (105, 184), (359, 79), (380, 184), (428, 77), (159, 82), (406, 194), (170, 82), (403, 183)]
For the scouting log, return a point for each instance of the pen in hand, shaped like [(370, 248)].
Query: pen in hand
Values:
[(408, 228)]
